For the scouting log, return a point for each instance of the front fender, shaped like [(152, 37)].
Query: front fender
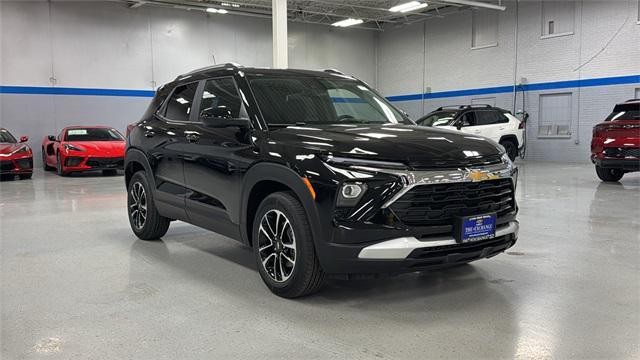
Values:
[(285, 176)]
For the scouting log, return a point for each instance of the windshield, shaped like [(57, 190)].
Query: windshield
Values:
[(93, 134), (440, 118), (6, 137), (625, 112), (309, 100)]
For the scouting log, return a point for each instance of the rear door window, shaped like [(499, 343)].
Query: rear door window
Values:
[(180, 103)]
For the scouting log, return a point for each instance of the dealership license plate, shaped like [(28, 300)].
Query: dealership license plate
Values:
[(476, 228)]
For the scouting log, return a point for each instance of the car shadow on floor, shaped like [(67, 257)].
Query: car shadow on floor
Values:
[(211, 258)]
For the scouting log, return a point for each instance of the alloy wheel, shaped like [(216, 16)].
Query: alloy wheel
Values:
[(277, 246), (138, 205)]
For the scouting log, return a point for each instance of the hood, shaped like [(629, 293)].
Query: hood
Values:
[(101, 148), (8, 148), (416, 146)]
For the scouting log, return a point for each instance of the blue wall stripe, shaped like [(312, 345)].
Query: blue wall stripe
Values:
[(608, 81), (43, 90)]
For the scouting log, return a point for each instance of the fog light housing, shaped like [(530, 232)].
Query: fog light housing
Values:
[(350, 194)]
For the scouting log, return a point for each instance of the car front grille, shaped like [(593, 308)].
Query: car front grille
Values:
[(115, 162), (439, 204), (6, 165), (73, 160), (25, 163)]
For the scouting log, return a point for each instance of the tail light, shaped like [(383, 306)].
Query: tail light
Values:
[(129, 129), (598, 129), (521, 125)]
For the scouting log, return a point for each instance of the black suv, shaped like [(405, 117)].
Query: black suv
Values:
[(318, 173)]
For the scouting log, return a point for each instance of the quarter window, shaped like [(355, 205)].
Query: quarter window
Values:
[(180, 102), (221, 94), (490, 117)]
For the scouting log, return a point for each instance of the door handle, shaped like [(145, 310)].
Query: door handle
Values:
[(192, 138)]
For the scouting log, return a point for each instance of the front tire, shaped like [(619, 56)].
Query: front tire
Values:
[(284, 247), (609, 174), (59, 167), (511, 149), (144, 218)]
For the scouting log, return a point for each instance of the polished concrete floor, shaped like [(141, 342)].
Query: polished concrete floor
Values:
[(76, 283)]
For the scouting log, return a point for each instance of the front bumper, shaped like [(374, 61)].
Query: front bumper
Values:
[(409, 254), (407, 243), (624, 164), (18, 166), (89, 163)]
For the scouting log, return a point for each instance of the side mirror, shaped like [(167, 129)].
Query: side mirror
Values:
[(51, 138), (221, 117), (24, 139)]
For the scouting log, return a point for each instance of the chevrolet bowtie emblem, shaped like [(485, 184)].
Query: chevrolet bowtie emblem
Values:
[(477, 175)]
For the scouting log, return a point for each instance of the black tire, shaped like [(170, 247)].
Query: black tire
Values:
[(154, 225), (306, 275), (59, 169), (110, 172), (510, 148), (25, 176), (609, 174), (44, 161)]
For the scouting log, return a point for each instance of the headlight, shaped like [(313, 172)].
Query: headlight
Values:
[(70, 147), (506, 159), (23, 149), (350, 194)]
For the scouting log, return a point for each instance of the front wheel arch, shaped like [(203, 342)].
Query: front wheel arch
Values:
[(265, 178)]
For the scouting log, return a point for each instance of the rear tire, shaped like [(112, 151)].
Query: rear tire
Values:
[(109, 172), (609, 174), (144, 218), (510, 148), (44, 161), (290, 240)]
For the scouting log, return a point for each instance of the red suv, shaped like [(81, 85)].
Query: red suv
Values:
[(615, 147)]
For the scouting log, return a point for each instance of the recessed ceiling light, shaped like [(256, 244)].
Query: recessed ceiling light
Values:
[(347, 22)]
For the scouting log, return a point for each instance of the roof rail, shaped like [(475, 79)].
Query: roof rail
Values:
[(333, 71), (464, 106), (212, 67), (632, 100)]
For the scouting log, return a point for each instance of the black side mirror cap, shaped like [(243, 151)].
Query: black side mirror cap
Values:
[(51, 138), (218, 122)]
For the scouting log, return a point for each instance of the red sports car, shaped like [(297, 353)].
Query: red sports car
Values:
[(615, 147), (84, 148), (16, 157)]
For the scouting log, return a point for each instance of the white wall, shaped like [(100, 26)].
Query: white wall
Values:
[(106, 45), (448, 62)]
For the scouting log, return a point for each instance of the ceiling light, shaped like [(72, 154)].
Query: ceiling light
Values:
[(347, 22), (216, 11), (409, 6)]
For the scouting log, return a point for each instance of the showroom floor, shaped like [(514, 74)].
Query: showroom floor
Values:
[(77, 283)]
